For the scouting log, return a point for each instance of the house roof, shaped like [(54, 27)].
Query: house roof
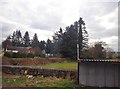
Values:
[(16, 48), (99, 60)]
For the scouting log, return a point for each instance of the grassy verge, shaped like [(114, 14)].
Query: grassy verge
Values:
[(1, 55), (41, 83), (23, 81), (63, 65)]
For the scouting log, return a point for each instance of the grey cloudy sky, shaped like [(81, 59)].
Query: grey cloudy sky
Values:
[(45, 17)]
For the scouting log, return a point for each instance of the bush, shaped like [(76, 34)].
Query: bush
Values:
[(8, 54), (22, 55), (12, 55), (30, 55), (15, 55), (39, 55)]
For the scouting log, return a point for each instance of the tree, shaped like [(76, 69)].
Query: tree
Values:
[(67, 41), (99, 50), (88, 53), (35, 41), (26, 39), (109, 53), (57, 41), (42, 45), (19, 37), (6, 43), (16, 38), (49, 47)]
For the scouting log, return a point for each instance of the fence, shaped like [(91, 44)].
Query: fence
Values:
[(99, 73)]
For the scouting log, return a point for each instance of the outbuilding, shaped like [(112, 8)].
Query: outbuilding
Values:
[(99, 73)]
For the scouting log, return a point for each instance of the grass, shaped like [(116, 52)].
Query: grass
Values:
[(0, 81), (1, 55), (22, 81), (14, 81), (54, 82), (63, 65), (42, 83)]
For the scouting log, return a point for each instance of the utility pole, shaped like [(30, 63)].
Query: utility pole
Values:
[(79, 42)]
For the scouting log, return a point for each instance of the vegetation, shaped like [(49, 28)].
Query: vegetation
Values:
[(42, 83), (26, 39), (63, 65), (23, 81), (97, 51), (49, 47), (35, 41), (16, 39), (44, 62), (59, 45), (1, 55), (64, 43), (22, 55), (30, 61)]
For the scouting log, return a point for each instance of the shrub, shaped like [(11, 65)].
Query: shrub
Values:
[(22, 55), (30, 55), (41, 55), (8, 54), (15, 55)]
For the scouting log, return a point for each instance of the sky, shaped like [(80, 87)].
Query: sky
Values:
[(45, 17)]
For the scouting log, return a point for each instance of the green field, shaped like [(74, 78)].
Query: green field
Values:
[(63, 65), (23, 81)]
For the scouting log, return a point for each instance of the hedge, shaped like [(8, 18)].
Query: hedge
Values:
[(22, 55)]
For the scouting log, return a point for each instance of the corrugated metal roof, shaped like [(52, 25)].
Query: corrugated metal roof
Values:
[(97, 60)]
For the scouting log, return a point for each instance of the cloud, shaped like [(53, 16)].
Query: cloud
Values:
[(109, 21), (8, 27), (102, 22), (46, 17), (112, 41)]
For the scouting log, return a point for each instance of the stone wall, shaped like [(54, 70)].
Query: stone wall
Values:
[(40, 71)]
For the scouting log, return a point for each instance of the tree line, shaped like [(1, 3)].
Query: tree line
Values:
[(64, 43), (16, 39)]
